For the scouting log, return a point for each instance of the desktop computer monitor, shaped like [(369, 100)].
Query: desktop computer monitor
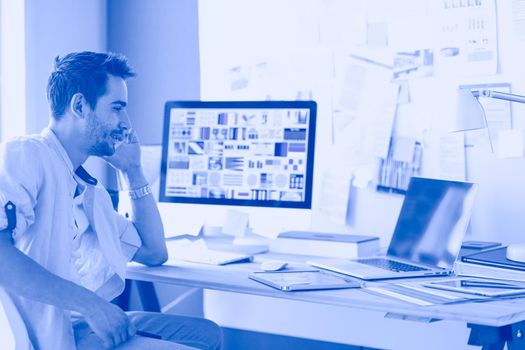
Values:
[(230, 153)]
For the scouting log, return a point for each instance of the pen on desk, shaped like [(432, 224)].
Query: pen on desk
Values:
[(148, 334)]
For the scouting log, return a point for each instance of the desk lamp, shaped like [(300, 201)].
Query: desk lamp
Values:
[(470, 116)]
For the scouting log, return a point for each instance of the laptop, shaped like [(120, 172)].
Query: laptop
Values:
[(427, 237)]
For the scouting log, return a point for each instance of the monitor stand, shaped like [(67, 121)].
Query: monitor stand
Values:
[(247, 244), (237, 225), (252, 243)]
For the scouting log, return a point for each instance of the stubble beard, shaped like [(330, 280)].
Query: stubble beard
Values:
[(101, 146)]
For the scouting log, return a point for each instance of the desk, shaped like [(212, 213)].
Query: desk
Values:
[(491, 322)]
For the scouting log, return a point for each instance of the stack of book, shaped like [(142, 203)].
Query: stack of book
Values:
[(333, 245), (491, 263)]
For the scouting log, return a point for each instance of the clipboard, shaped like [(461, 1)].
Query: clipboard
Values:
[(289, 281)]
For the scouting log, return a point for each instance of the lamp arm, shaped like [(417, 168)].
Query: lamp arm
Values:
[(499, 95)]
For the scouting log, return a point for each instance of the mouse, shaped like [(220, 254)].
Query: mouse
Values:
[(516, 252), (273, 265)]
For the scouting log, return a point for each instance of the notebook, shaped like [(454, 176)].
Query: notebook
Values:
[(197, 251), (214, 257), (427, 237), (494, 257)]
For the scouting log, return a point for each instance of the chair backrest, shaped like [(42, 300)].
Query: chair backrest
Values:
[(13, 334)]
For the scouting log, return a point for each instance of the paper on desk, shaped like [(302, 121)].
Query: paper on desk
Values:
[(181, 248), (389, 293), (177, 245), (416, 293)]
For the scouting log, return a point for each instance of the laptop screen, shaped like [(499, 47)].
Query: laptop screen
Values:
[(432, 222)]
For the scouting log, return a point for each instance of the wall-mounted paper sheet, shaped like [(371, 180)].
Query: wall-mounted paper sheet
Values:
[(452, 156), (510, 143), (334, 196), (466, 37)]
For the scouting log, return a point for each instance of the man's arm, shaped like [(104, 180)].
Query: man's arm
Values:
[(24, 277), (146, 218), (144, 212)]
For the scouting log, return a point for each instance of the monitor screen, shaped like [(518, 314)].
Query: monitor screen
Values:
[(249, 153)]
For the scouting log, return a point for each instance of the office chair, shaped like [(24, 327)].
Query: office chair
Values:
[(14, 332)]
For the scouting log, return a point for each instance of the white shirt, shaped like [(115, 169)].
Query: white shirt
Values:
[(37, 175)]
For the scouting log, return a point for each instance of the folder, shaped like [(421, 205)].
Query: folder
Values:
[(494, 257)]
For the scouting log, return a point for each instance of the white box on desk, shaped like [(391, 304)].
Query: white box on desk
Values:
[(333, 245)]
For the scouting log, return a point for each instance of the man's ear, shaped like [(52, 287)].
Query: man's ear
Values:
[(78, 105)]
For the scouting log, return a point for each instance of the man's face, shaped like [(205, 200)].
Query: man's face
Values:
[(108, 123)]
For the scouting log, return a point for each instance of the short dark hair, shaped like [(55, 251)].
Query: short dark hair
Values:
[(86, 73)]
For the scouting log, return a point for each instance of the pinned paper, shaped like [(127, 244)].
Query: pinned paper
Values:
[(510, 143), (339, 17), (334, 196), (452, 156), (236, 223), (404, 149)]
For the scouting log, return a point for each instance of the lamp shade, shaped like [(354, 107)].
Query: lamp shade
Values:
[(469, 112)]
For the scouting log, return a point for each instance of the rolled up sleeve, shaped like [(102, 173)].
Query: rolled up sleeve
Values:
[(129, 237), (20, 174)]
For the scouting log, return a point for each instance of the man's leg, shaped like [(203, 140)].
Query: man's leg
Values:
[(86, 339), (194, 332), (92, 342)]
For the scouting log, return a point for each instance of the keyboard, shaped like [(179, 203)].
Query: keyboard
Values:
[(391, 265)]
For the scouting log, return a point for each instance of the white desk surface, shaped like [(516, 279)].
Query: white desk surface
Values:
[(234, 278)]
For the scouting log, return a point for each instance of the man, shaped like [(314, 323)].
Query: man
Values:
[(63, 249)]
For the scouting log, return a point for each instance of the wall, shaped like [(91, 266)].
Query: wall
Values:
[(57, 27), (160, 37), (12, 69), (308, 46)]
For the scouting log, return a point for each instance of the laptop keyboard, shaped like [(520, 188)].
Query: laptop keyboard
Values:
[(391, 265)]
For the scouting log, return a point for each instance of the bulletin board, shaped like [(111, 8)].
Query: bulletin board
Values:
[(385, 75)]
